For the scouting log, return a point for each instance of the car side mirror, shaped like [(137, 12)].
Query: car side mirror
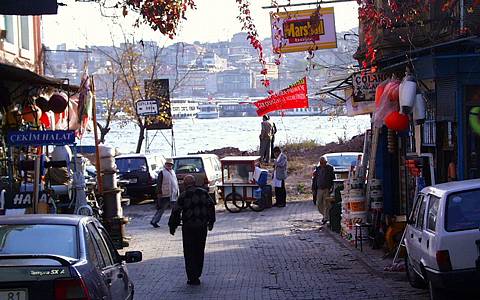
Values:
[(132, 256)]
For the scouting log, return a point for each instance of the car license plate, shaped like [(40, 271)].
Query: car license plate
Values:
[(13, 295), (132, 180)]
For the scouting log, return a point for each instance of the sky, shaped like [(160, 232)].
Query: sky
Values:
[(81, 23)]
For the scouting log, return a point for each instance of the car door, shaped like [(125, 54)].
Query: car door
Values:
[(412, 232), (121, 285), (418, 239), (429, 243), (113, 274), (94, 279)]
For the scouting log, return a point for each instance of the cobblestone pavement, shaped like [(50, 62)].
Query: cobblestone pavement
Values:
[(280, 253)]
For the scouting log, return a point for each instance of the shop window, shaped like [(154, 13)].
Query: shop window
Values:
[(8, 25), (429, 127), (432, 212), (24, 33)]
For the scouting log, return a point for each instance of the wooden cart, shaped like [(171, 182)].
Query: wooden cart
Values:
[(238, 189)]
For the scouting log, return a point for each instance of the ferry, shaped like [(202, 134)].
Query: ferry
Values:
[(184, 108), (208, 111), (237, 109)]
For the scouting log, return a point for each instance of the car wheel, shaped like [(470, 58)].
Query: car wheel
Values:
[(415, 280), (437, 293)]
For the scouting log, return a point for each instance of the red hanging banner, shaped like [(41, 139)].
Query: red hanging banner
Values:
[(294, 96)]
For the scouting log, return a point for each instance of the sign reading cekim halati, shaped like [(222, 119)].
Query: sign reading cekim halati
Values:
[(303, 30)]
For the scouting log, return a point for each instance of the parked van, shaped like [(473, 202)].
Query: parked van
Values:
[(141, 172), (204, 167), (442, 239)]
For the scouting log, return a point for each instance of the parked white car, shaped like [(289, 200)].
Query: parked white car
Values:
[(443, 239)]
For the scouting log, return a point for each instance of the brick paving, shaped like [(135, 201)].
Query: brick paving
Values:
[(275, 254)]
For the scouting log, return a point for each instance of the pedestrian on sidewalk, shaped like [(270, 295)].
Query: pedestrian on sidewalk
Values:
[(196, 210), (167, 191), (272, 142), (279, 176), (265, 139), (323, 183)]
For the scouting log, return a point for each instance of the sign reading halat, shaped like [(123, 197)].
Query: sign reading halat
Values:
[(294, 96), (303, 30), (40, 138)]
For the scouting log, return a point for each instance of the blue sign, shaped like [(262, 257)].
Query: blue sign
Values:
[(40, 138)]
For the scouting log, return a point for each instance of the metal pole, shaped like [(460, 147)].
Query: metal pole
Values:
[(95, 133)]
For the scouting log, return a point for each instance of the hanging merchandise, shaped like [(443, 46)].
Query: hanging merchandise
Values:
[(13, 118), (45, 120), (386, 105), (397, 121), (58, 103), (419, 112), (31, 114), (42, 103), (379, 92), (73, 115), (407, 93), (391, 141), (394, 88), (84, 103)]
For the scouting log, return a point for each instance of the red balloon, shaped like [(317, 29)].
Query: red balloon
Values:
[(397, 121)]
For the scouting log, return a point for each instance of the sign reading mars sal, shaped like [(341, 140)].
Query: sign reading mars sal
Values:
[(303, 30)]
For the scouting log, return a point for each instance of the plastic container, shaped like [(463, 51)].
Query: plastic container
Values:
[(357, 204)]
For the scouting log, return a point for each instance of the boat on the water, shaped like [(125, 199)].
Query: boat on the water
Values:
[(208, 111)]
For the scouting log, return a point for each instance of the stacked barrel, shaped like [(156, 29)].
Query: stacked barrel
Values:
[(354, 207), (112, 197)]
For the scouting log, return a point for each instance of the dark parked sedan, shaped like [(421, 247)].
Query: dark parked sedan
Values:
[(61, 257)]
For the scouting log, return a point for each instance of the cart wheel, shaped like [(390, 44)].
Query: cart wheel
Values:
[(256, 205), (234, 203)]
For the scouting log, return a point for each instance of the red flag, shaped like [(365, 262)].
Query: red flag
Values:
[(294, 96)]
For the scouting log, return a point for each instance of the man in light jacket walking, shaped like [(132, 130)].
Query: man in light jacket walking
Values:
[(167, 191), (279, 176)]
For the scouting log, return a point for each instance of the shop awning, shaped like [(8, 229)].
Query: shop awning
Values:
[(11, 73), (337, 84), (28, 7)]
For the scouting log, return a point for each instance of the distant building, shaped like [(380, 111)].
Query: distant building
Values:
[(20, 41)]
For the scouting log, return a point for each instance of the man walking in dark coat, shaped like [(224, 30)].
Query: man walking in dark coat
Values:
[(196, 210)]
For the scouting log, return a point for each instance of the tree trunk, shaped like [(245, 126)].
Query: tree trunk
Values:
[(103, 132), (141, 137)]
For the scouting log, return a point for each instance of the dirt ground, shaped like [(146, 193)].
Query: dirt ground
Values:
[(302, 157)]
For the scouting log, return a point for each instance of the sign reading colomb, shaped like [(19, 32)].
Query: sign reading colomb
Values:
[(294, 96), (303, 30), (40, 138)]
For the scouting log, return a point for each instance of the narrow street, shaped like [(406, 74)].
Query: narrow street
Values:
[(275, 254)]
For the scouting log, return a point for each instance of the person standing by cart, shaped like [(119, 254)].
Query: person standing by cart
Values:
[(196, 210), (279, 176), (265, 139), (272, 142), (167, 191), (323, 184)]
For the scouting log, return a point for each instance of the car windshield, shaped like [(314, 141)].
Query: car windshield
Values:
[(188, 165), (39, 239), (463, 211), (132, 164), (342, 160)]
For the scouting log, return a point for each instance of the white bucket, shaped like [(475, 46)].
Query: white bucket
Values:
[(106, 151), (376, 205), (375, 185), (358, 217), (108, 164), (357, 204), (356, 193)]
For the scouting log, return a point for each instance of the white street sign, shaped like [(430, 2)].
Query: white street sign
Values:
[(147, 107)]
